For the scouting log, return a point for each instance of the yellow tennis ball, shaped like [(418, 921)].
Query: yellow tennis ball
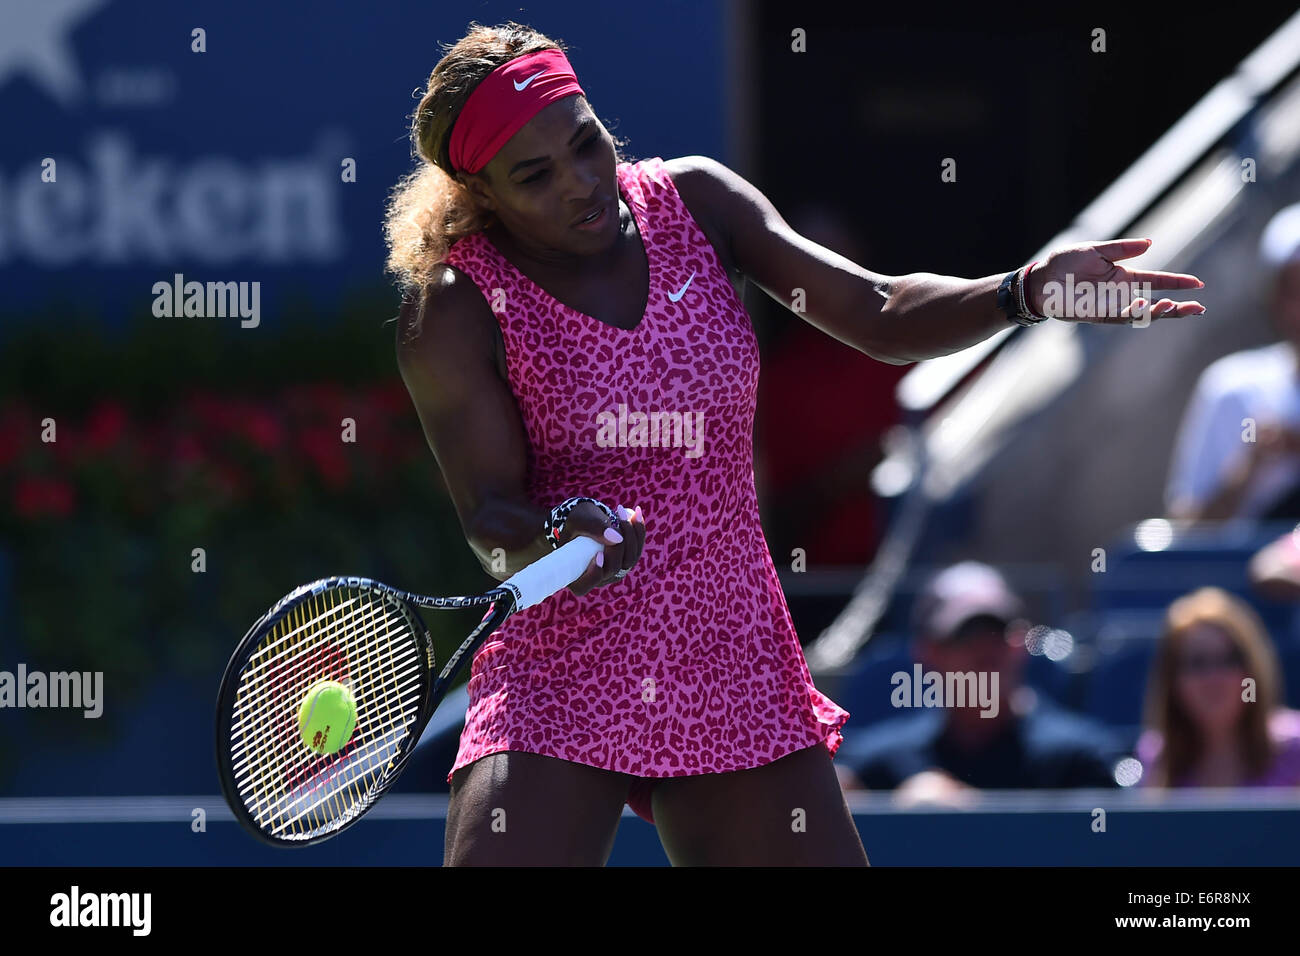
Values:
[(327, 717)]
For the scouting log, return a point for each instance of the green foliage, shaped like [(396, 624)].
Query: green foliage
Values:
[(172, 438)]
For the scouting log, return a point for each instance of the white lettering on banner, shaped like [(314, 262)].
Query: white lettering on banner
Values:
[(120, 208)]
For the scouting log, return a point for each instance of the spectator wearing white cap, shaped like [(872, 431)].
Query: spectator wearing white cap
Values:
[(1217, 471)]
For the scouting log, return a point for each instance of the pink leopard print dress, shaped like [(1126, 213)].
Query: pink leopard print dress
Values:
[(690, 664)]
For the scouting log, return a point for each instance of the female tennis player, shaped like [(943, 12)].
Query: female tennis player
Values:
[(575, 343)]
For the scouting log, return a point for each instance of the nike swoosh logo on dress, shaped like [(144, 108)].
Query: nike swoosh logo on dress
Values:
[(682, 291), (524, 84)]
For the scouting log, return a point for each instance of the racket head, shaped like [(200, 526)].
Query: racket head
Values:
[(340, 628)]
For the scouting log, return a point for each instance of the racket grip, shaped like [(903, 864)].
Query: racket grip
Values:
[(535, 583)]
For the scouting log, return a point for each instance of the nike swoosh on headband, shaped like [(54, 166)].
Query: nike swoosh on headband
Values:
[(682, 291), (524, 85)]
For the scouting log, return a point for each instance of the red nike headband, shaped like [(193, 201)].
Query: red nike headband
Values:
[(504, 101)]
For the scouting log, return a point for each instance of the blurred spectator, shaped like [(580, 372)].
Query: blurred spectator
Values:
[(1274, 571), (968, 619), (1206, 726), (1220, 470)]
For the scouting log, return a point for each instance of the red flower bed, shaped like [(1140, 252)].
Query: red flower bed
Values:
[(224, 451)]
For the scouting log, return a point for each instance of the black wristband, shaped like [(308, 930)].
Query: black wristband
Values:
[(1010, 294), (1007, 298), (553, 525)]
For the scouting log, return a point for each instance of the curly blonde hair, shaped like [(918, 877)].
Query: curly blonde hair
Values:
[(429, 208)]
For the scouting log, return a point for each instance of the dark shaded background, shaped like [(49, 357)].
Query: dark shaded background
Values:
[(849, 140)]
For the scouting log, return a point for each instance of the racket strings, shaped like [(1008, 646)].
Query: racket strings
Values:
[(334, 792), (261, 689), (268, 699), (324, 770), (337, 784), (343, 634)]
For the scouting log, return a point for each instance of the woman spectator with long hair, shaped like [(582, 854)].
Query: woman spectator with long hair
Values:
[(1215, 716)]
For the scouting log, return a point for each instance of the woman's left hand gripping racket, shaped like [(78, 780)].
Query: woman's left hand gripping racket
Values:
[(368, 637)]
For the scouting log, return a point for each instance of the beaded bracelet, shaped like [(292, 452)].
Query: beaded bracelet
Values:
[(553, 526), (1012, 297), (1022, 293)]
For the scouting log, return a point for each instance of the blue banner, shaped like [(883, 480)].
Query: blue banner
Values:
[(148, 141)]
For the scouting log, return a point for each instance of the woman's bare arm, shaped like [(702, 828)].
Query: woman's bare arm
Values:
[(899, 319), (446, 350)]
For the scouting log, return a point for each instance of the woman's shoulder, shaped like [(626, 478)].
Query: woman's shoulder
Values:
[(663, 187), (695, 175), (449, 304), (688, 176)]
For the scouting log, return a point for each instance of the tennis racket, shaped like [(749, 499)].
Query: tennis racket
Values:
[(369, 635)]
